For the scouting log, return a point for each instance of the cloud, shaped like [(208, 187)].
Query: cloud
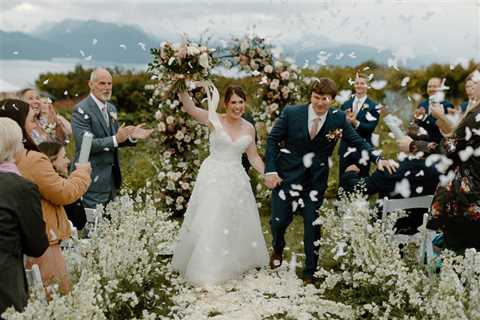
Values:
[(389, 24)]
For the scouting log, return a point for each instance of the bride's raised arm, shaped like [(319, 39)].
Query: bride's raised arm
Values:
[(189, 106)]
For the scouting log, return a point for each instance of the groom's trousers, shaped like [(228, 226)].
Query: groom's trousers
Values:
[(282, 215)]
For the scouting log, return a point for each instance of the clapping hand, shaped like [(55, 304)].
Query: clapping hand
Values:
[(390, 165), (420, 113), (139, 132), (437, 110)]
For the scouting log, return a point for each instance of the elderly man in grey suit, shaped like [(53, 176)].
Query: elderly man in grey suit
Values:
[(96, 115)]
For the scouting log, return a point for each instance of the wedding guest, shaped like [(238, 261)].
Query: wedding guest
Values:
[(456, 205), (32, 126), (423, 115), (56, 126), (57, 155), (95, 114), (363, 114), (469, 92), (22, 230), (55, 192)]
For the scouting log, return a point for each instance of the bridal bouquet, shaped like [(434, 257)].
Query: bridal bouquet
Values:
[(175, 64)]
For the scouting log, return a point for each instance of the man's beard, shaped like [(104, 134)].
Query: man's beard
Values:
[(106, 96)]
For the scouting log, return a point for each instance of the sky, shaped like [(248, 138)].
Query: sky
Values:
[(449, 29)]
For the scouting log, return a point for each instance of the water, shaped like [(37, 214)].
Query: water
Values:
[(18, 74)]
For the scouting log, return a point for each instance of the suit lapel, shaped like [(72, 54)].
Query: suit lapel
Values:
[(96, 111)]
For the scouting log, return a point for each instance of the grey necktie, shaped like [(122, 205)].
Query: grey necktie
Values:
[(105, 115)]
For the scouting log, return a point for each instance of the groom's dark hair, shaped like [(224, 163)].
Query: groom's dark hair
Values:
[(324, 86)]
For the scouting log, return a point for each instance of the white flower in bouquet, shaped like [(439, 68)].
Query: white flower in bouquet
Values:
[(187, 138), (158, 115), (274, 84), (268, 69), (193, 51), (179, 135), (244, 46), (278, 65), (170, 120), (203, 60), (162, 127), (184, 185), (285, 75)]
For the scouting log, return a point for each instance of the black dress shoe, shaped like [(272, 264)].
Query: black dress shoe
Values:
[(309, 280), (276, 259)]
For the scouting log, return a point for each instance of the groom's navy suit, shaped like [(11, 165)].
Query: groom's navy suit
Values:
[(287, 145)]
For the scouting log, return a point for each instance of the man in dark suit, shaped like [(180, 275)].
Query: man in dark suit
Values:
[(423, 115), (297, 165), (363, 114), (96, 115)]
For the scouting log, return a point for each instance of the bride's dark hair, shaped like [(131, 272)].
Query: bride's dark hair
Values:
[(234, 89)]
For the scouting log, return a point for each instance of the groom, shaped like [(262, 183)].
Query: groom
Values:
[(297, 164)]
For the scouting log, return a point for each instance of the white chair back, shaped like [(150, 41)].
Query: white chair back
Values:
[(390, 205)]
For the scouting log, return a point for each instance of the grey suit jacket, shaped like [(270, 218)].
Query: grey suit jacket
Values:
[(87, 117)]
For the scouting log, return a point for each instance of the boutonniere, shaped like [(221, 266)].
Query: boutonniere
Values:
[(334, 134), (365, 106), (114, 116)]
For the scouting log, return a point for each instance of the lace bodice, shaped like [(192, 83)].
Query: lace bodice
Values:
[(222, 147)]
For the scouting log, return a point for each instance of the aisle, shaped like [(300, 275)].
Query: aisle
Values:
[(262, 294)]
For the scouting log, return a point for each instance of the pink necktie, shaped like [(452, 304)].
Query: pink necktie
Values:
[(314, 129)]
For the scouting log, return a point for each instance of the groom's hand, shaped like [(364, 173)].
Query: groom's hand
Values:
[(272, 180), (390, 165)]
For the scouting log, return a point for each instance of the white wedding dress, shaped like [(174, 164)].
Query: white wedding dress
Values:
[(221, 236)]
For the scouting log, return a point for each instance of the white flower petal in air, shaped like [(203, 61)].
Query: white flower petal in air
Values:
[(468, 133), (45, 82), (313, 195), (466, 153), (403, 188), (365, 157), (378, 84), (352, 55), (298, 187), (294, 206), (330, 162), (445, 179), (285, 151), (343, 96), (294, 193), (124, 47), (370, 117), (476, 76), (82, 53), (142, 45), (405, 81), (308, 159), (349, 150), (419, 189), (94, 41), (420, 174), (477, 118), (375, 140), (282, 195)]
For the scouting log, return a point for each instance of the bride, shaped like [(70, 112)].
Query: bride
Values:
[(221, 236)]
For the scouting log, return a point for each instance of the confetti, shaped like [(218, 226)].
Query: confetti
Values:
[(313, 195), (403, 188), (378, 84), (405, 81), (94, 41), (282, 195), (124, 47), (370, 117), (308, 159)]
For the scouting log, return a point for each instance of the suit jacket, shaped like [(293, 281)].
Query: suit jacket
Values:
[(22, 231), (87, 117), (291, 131), (430, 123), (368, 117)]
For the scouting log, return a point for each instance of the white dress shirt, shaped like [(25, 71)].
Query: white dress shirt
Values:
[(360, 102), (312, 115), (101, 105)]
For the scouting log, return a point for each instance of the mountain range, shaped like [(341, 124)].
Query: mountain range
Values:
[(99, 41)]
